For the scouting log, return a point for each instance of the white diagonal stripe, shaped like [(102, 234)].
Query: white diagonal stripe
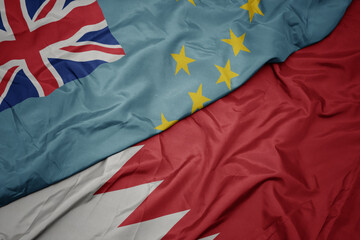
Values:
[(56, 13)]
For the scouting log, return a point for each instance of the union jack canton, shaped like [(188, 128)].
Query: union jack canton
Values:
[(47, 43)]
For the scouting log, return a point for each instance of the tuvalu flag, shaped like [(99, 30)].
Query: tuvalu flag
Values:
[(70, 98), (276, 159)]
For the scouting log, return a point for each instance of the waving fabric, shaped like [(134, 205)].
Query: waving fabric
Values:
[(70, 98), (276, 159)]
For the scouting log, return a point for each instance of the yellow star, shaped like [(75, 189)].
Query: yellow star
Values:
[(182, 61), (236, 42), (192, 2), (253, 7), (198, 99), (226, 74), (165, 124)]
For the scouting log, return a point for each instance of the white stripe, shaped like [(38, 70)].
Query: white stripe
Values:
[(212, 237), (56, 13), (86, 56), (54, 50), (6, 35), (33, 80), (98, 215), (3, 95), (25, 13), (73, 39), (39, 214), (53, 71), (84, 43), (39, 10), (4, 68), (149, 230), (22, 66)]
